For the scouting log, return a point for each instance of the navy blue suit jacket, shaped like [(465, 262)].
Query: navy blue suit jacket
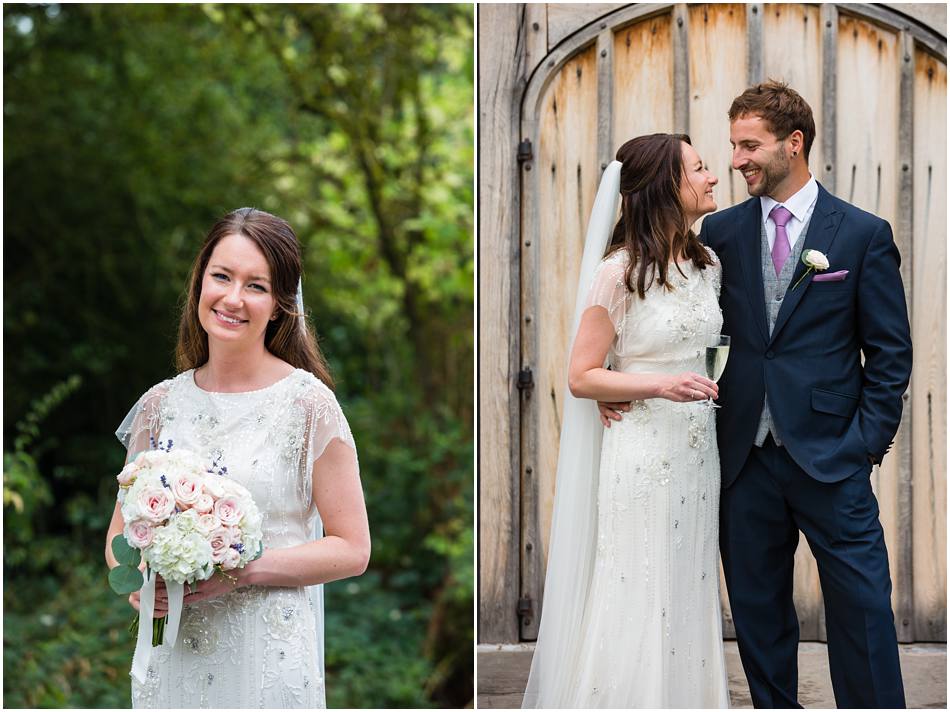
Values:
[(830, 412)]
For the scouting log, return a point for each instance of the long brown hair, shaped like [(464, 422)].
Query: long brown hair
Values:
[(285, 337), (653, 226)]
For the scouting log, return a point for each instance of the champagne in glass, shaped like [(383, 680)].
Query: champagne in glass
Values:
[(717, 353)]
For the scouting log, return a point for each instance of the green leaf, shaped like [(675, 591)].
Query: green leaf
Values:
[(125, 579), (124, 553)]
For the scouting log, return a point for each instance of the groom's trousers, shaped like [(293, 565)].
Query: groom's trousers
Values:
[(761, 514)]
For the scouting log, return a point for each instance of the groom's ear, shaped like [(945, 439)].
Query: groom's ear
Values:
[(796, 141)]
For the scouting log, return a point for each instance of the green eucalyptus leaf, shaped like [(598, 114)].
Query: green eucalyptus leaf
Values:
[(125, 579), (124, 553)]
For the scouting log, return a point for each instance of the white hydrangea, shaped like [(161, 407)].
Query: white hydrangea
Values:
[(180, 557)]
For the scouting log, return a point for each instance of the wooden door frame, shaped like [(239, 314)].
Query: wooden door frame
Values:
[(523, 351)]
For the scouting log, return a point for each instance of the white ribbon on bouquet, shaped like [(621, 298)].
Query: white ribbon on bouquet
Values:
[(143, 645)]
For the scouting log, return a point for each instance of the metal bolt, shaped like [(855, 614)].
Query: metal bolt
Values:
[(603, 53), (828, 23), (527, 319), (528, 470), (827, 166), (755, 10), (603, 166), (527, 243), (535, 26), (527, 166), (603, 25), (679, 21), (905, 167), (529, 546)]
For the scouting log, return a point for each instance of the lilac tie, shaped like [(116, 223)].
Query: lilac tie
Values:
[(781, 248)]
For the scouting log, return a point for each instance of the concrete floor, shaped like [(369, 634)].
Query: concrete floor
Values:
[(503, 669)]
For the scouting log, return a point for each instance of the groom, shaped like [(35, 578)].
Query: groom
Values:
[(803, 420)]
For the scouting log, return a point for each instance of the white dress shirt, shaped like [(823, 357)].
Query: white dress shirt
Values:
[(799, 205)]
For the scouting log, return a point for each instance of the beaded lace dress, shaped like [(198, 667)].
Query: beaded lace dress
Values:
[(257, 646), (652, 627)]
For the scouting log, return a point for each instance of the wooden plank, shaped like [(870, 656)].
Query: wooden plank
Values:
[(500, 69), (792, 53), (564, 19), (717, 75), (868, 166), (567, 176), (754, 49), (929, 328), (829, 97), (605, 97), (536, 35), (904, 233), (643, 79), (681, 68)]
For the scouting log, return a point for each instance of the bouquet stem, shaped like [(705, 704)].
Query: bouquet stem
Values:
[(158, 629)]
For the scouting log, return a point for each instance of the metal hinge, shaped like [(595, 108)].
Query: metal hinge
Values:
[(525, 152), (525, 607), (525, 379)]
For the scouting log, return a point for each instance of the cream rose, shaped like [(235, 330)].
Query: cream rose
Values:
[(128, 474), (229, 510), (230, 559), (187, 489), (220, 540), (139, 534), (207, 523), (204, 504), (815, 259), (156, 504)]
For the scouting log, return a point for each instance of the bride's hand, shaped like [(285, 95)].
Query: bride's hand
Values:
[(687, 387), (161, 604), (611, 411), (216, 586)]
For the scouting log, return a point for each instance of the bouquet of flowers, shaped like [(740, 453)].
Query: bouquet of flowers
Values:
[(186, 521)]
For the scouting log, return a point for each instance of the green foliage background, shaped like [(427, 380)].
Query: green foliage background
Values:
[(128, 130)]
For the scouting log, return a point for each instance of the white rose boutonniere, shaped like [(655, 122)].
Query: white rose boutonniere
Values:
[(815, 261)]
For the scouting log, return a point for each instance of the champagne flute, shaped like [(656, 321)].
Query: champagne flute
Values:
[(717, 353)]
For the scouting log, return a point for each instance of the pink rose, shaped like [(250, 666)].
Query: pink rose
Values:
[(139, 534), (187, 490), (230, 559), (229, 511), (127, 476), (220, 541), (156, 504), (204, 503)]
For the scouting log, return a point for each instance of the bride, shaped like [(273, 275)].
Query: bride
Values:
[(631, 612), (254, 397)]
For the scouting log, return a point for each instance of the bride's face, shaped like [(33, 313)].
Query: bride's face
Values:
[(696, 185), (237, 300)]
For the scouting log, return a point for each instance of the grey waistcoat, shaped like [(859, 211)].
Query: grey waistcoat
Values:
[(775, 288)]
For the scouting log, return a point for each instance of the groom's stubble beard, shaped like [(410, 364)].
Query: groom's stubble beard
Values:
[(774, 173)]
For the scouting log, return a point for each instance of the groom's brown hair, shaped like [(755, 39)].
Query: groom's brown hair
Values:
[(780, 106)]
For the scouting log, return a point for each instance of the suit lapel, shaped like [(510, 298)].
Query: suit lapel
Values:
[(821, 234), (749, 247)]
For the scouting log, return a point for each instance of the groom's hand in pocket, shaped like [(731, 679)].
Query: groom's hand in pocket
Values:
[(611, 411)]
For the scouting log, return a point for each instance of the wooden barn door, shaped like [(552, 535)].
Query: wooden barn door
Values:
[(877, 86)]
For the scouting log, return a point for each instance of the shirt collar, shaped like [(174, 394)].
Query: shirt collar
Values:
[(798, 205)]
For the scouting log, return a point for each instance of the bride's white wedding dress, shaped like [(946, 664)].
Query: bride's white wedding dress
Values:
[(258, 646), (651, 633)]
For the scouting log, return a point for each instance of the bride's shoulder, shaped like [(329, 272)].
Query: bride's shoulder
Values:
[(309, 389), (713, 256)]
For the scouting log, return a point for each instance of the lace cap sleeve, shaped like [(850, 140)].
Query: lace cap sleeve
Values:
[(716, 270), (608, 289), (324, 423), (141, 427)]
